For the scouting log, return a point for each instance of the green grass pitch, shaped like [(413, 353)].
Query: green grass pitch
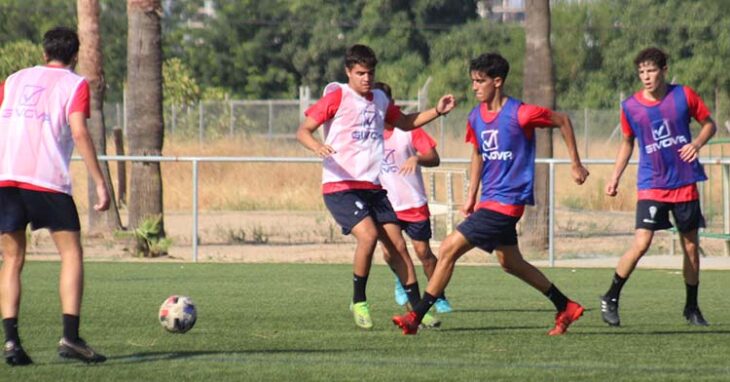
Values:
[(291, 322)]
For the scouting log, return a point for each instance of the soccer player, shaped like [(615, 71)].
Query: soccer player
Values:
[(669, 169), (354, 116), (405, 153), (502, 131), (43, 114)]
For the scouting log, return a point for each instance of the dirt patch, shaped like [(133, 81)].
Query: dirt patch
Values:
[(594, 238)]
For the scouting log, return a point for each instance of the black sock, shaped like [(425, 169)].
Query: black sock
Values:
[(616, 284), (11, 329), (414, 295), (443, 296), (424, 305), (359, 284), (71, 327), (557, 297), (691, 296)]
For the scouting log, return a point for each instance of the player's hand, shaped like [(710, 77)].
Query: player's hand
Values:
[(102, 198), (612, 188), (323, 151), (410, 166), (689, 152), (446, 104), (468, 207), (579, 173)]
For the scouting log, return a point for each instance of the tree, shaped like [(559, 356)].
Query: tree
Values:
[(539, 89), (18, 55), (91, 66), (144, 109)]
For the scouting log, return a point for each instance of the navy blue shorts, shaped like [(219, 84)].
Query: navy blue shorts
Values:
[(351, 206), (654, 215), (19, 207), (487, 229), (420, 231)]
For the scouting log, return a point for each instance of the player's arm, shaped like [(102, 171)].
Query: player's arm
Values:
[(428, 159), (562, 121), (622, 160), (305, 136), (691, 151), (85, 147), (475, 175), (415, 120)]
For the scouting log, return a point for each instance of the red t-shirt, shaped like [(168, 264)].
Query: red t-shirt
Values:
[(423, 143), (699, 111), (80, 103), (529, 117)]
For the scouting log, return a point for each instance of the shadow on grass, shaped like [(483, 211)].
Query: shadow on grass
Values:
[(509, 310), (218, 355), (625, 332), (492, 328)]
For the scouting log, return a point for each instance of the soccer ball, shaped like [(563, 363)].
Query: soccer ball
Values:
[(178, 314)]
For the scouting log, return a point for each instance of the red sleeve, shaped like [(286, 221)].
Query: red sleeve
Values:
[(625, 127), (470, 137), (393, 113), (2, 92), (326, 108), (80, 102), (531, 116), (422, 141), (697, 107)]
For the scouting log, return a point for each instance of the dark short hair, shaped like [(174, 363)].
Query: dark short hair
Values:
[(360, 54), (385, 88), (653, 54), (61, 43), (490, 64)]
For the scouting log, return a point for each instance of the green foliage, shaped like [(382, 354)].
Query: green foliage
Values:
[(18, 55), (150, 243), (180, 88)]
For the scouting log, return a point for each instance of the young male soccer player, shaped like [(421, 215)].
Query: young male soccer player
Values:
[(405, 153), (502, 130), (43, 114), (659, 116), (354, 116)]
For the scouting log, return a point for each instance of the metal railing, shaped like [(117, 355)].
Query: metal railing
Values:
[(195, 161)]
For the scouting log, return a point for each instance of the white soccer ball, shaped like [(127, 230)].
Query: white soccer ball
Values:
[(178, 314)]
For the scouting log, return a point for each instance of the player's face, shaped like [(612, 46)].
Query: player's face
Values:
[(651, 76), (484, 87), (361, 78)]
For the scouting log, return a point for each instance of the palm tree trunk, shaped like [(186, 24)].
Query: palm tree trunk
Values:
[(144, 108), (539, 89), (91, 66)]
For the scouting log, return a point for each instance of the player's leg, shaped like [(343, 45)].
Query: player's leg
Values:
[(13, 223), (392, 237), (71, 290), (626, 265), (452, 248), (512, 262), (366, 236), (350, 210), (429, 261), (13, 247), (651, 216), (689, 219), (401, 298)]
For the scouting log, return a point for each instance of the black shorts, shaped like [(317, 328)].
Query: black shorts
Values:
[(654, 215), (420, 231), (55, 211), (351, 206), (487, 229)]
